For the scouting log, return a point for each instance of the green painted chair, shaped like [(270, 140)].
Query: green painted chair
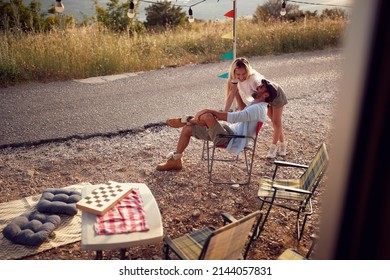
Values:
[(229, 242), (293, 194)]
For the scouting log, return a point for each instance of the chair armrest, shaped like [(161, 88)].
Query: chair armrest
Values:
[(231, 136), (227, 218), (287, 164), (289, 189), (290, 164)]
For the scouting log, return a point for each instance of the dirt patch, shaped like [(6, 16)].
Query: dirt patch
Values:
[(186, 199)]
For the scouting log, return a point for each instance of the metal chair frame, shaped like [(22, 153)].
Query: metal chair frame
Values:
[(248, 151), (300, 206)]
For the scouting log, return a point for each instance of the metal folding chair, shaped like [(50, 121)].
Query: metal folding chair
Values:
[(229, 242), (213, 154), (294, 194)]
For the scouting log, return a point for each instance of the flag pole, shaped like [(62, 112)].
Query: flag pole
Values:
[(234, 29)]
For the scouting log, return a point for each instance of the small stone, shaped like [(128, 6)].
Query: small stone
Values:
[(196, 213)]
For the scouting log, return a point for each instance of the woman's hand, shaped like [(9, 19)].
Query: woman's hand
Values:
[(234, 81)]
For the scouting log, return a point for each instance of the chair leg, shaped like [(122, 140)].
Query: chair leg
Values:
[(253, 236), (166, 252), (305, 213), (249, 167), (123, 254), (203, 157), (261, 204), (261, 227), (209, 160), (212, 156), (99, 255), (301, 228)]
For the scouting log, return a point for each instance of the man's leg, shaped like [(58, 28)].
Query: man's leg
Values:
[(184, 139), (174, 159), (206, 121), (214, 129)]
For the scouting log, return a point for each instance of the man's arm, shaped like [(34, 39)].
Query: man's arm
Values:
[(256, 112)]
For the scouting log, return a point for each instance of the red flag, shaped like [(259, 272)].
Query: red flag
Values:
[(230, 14)]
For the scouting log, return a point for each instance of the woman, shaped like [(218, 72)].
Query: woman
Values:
[(244, 79), (275, 110)]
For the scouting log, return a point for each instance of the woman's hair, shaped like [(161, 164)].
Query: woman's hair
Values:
[(240, 62)]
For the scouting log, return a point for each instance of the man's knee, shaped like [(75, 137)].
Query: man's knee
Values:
[(208, 118), (187, 130)]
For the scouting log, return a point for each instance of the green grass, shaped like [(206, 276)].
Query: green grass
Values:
[(90, 51)]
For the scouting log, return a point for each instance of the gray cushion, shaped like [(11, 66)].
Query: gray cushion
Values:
[(59, 201), (31, 229)]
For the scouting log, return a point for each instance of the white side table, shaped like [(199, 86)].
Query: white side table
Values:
[(91, 241)]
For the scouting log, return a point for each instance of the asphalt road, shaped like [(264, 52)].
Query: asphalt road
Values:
[(108, 105)]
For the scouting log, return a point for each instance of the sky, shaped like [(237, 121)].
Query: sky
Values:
[(207, 10)]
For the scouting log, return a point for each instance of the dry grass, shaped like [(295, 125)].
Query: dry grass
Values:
[(92, 51)]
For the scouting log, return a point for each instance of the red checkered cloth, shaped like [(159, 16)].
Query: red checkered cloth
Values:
[(127, 216)]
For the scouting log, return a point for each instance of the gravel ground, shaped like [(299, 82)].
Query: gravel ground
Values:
[(186, 200)]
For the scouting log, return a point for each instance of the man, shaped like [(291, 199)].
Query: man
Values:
[(206, 125)]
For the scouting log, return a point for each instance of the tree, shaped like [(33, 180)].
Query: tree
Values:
[(115, 18), (335, 13), (164, 14), (16, 16), (270, 10)]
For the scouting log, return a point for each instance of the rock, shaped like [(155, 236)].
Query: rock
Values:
[(196, 213)]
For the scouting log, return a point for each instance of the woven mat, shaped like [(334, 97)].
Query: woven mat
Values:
[(69, 231)]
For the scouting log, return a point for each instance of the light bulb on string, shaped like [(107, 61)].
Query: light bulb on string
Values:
[(190, 16), (59, 7), (283, 10), (130, 12)]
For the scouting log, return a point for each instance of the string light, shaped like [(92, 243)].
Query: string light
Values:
[(320, 4), (190, 12), (59, 7), (283, 10), (130, 12), (190, 16)]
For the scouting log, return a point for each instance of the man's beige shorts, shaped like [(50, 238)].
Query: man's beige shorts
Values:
[(211, 134)]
